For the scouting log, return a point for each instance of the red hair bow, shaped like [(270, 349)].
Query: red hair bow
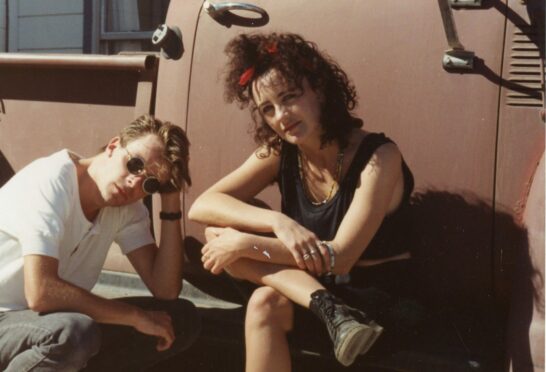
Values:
[(249, 72), (246, 76), (272, 48)]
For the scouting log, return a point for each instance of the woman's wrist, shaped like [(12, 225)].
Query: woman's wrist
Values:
[(277, 221), (331, 254), (246, 244), (250, 246)]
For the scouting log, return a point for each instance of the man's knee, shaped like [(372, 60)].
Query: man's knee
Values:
[(185, 318), (267, 307), (186, 322), (77, 340)]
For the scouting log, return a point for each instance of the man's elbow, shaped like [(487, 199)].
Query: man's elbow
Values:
[(37, 300), (38, 306), (171, 293), (166, 296)]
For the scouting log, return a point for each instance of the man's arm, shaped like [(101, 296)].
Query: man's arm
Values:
[(46, 292), (161, 268)]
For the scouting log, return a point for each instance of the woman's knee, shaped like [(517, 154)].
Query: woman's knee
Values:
[(267, 307)]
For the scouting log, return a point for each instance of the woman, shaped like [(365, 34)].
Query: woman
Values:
[(342, 189)]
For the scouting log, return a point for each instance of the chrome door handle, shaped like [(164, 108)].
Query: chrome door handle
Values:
[(222, 13)]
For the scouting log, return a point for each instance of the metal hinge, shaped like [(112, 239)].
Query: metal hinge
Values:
[(456, 57)]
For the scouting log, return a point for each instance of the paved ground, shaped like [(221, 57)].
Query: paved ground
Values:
[(221, 347), (200, 358)]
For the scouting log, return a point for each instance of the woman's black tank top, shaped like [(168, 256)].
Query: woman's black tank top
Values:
[(324, 220)]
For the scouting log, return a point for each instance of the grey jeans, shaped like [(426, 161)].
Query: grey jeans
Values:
[(63, 341), (30, 341)]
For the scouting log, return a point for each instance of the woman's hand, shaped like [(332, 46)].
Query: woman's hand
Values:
[(224, 246), (303, 245)]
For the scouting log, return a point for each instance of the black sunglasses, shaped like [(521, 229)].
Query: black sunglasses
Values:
[(135, 165)]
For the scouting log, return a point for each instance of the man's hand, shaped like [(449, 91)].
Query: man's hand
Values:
[(157, 324)]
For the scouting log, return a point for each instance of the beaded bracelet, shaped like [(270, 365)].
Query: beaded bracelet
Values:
[(331, 253)]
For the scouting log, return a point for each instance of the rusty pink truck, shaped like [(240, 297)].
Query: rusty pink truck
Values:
[(459, 85)]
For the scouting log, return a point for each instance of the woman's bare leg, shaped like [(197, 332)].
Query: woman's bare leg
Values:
[(269, 317), (349, 335), (294, 283), (269, 313)]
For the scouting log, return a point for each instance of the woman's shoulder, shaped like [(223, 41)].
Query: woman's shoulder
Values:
[(265, 157), (361, 136), (364, 142), (374, 148), (263, 162)]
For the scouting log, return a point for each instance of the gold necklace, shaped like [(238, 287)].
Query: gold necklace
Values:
[(337, 177)]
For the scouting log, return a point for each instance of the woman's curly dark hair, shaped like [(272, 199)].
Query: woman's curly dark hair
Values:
[(295, 59)]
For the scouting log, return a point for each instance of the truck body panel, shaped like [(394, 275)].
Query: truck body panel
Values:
[(474, 139)]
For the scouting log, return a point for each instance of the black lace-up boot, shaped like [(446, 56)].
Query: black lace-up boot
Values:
[(351, 331)]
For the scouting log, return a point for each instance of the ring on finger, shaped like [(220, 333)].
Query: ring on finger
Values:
[(312, 252), (306, 256)]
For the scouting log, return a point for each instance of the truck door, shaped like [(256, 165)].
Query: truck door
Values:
[(445, 123)]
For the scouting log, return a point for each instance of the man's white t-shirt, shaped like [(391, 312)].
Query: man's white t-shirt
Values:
[(41, 214)]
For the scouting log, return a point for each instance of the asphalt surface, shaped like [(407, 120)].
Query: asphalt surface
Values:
[(230, 358)]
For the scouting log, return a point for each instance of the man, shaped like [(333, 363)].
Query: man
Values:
[(59, 216)]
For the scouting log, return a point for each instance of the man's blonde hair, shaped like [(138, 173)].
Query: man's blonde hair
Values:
[(175, 151)]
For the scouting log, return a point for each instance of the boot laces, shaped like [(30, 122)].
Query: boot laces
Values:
[(335, 315)]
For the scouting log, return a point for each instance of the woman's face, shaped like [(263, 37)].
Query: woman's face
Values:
[(293, 113)]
